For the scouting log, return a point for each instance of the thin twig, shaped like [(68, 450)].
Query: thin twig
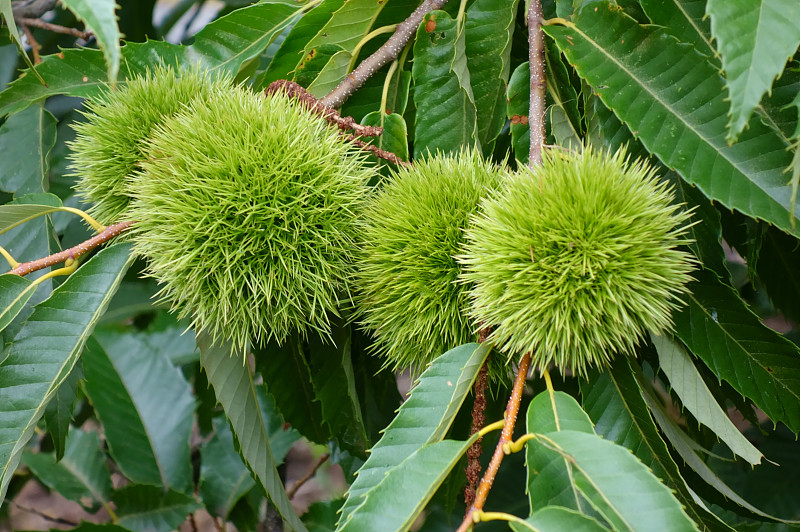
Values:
[(512, 409), (55, 28), (538, 82), (31, 8), (35, 46), (74, 252), (34, 511), (293, 490), (385, 54), (383, 154)]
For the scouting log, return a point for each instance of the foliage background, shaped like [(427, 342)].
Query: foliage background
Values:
[(708, 90)]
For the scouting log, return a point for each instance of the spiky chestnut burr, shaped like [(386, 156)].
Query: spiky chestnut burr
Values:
[(108, 146), (246, 210), (407, 293), (576, 259)]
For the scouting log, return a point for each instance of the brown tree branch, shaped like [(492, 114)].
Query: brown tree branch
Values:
[(39, 23), (31, 8), (538, 82), (296, 486), (74, 252), (383, 154), (478, 421), (35, 46), (385, 54), (512, 410)]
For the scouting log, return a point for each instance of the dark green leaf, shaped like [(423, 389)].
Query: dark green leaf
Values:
[(331, 74), (224, 478), (24, 209), (15, 291), (409, 486), (82, 475), (618, 485), (550, 477), (695, 396), (150, 508), (672, 98), (367, 99), (519, 92), (488, 29), (395, 135), (233, 383), (347, 25), (759, 363), (446, 117), (281, 437), (129, 383), (565, 118), (29, 135), (755, 39), (685, 19), (58, 414), (99, 18), (557, 518), (46, 349), (322, 516), (424, 418), (8, 15), (778, 269)]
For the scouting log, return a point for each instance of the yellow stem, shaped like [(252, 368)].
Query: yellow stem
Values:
[(371, 35), (490, 427), (69, 268), (97, 226), (385, 93), (462, 8), (551, 391), (516, 446), (480, 516), (13, 263)]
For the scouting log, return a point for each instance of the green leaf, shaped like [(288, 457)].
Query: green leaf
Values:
[(331, 74), (150, 508), (618, 485), (288, 378), (517, 108), (129, 383), (778, 269), (424, 418), (615, 403), (19, 212), (672, 98), (684, 446), (223, 45), (46, 349), (99, 18), (759, 363), (395, 135), (335, 389), (755, 39), (557, 518), (58, 414), (82, 475), (446, 117), (550, 477), (686, 381), (281, 438), (321, 516), (565, 118), (233, 383), (488, 29), (347, 25), (224, 478), (15, 291), (8, 15), (367, 99), (685, 19), (30, 135), (409, 487)]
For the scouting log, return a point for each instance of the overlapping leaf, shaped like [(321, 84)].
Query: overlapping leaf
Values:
[(672, 99), (30, 135), (517, 108), (395, 135), (424, 418), (755, 39), (46, 349), (224, 479), (223, 45), (150, 508), (557, 518), (99, 18), (695, 396), (446, 119), (129, 383), (347, 25), (685, 19), (759, 363), (235, 390)]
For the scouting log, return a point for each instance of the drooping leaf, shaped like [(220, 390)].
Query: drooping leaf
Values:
[(23, 210), (517, 98), (615, 403), (29, 135), (618, 485), (150, 508), (46, 349), (235, 390), (424, 418), (672, 99), (409, 486), (697, 399), (59, 412), (759, 363), (224, 478), (557, 518), (394, 138), (551, 479), (223, 45), (129, 383), (446, 117), (488, 29), (685, 19), (82, 475), (99, 18), (685, 447), (755, 39)]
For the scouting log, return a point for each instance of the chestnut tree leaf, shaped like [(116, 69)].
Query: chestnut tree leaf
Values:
[(100, 19)]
